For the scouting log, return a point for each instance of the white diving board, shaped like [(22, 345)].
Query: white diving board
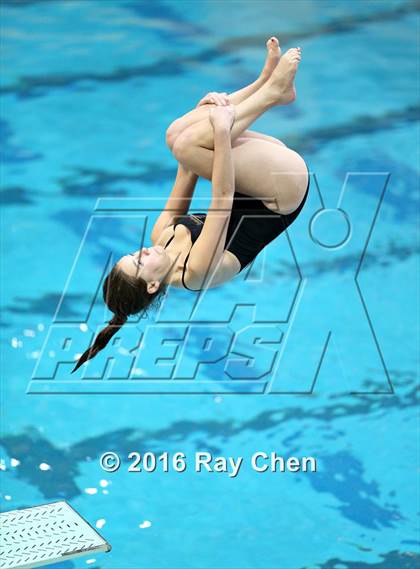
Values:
[(35, 537)]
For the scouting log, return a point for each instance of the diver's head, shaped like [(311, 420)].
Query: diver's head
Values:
[(151, 264), (135, 283)]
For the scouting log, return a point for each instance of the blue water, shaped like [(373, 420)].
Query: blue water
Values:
[(88, 90)]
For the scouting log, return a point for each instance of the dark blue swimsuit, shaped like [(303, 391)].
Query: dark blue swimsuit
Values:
[(247, 233)]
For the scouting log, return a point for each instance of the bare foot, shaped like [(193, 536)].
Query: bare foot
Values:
[(273, 57), (280, 87)]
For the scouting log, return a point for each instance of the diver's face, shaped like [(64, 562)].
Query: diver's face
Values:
[(149, 263)]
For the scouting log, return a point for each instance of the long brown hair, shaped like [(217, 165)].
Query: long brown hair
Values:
[(124, 296)]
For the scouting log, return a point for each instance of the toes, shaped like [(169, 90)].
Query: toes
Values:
[(272, 43), (294, 54)]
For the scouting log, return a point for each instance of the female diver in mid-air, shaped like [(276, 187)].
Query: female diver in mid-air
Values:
[(259, 186)]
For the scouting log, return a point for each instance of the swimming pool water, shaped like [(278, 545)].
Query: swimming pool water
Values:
[(88, 89)]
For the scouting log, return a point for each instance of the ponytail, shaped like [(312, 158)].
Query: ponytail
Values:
[(124, 296), (102, 339)]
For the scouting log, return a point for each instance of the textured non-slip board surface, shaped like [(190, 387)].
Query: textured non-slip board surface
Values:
[(34, 537)]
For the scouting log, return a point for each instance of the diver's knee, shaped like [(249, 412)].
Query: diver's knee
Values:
[(183, 144), (171, 134), (173, 131)]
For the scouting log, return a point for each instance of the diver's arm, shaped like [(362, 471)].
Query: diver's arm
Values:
[(178, 202), (208, 250)]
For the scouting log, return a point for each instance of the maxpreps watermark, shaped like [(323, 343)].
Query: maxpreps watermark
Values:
[(221, 340)]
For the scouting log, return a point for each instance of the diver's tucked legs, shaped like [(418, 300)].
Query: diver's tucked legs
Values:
[(278, 90), (269, 171), (200, 113)]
